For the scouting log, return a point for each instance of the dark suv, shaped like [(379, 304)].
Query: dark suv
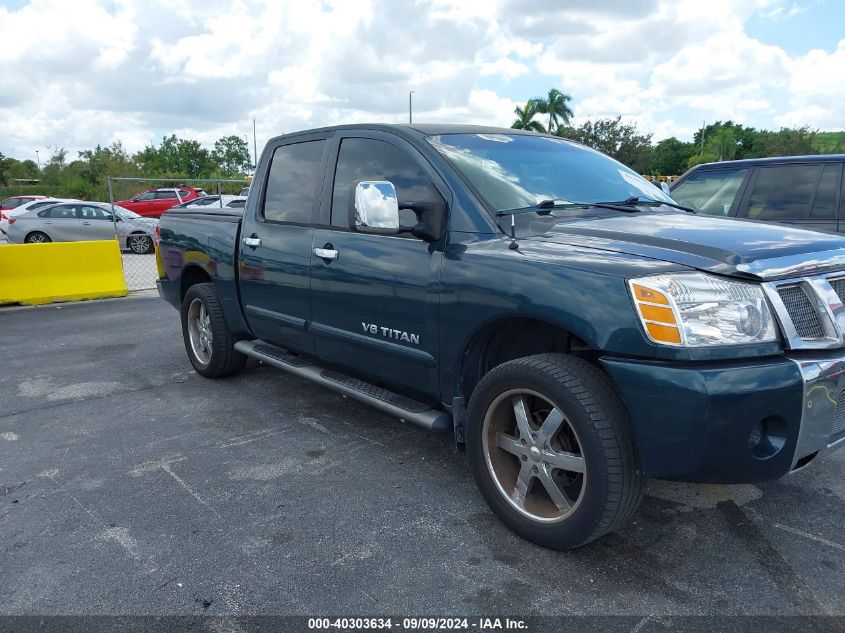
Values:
[(802, 190)]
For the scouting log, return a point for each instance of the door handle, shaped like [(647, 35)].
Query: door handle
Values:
[(87, 223), (252, 242), (327, 252)]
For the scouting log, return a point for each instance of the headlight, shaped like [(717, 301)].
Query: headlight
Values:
[(698, 310)]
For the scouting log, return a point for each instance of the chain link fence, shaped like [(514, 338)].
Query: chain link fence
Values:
[(137, 204)]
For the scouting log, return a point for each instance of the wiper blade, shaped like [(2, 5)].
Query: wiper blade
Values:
[(545, 207), (650, 202)]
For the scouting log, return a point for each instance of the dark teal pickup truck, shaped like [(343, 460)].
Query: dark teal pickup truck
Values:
[(575, 328)]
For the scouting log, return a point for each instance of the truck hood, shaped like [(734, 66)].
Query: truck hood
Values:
[(738, 248)]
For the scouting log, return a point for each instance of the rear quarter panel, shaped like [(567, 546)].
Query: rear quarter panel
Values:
[(192, 239)]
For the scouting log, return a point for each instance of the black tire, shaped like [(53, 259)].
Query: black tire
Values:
[(139, 246), (595, 435), (37, 237), (222, 360)]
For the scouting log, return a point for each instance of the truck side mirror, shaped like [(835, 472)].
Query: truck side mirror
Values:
[(375, 208)]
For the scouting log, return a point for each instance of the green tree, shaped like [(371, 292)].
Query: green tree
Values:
[(556, 105), (231, 155), (670, 157), (698, 159), (723, 144), (176, 158), (12, 170), (786, 142), (99, 163), (618, 140), (5, 163), (525, 117), (54, 168)]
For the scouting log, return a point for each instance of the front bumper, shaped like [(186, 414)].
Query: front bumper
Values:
[(699, 422), (823, 414)]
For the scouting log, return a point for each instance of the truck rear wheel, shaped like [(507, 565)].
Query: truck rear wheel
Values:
[(208, 340), (551, 449)]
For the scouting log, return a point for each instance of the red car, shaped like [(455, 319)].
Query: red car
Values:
[(153, 202), (14, 203)]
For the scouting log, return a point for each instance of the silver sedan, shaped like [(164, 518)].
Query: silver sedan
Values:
[(76, 221)]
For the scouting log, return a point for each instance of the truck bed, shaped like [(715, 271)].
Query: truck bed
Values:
[(201, 242)]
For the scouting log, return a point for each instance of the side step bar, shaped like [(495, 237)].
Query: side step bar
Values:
[(378, 397)]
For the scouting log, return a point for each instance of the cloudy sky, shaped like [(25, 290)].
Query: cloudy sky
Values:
[(80, 72)]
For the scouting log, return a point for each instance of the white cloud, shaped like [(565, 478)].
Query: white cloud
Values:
[(137, 69)]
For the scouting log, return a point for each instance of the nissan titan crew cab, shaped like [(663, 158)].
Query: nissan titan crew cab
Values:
[(575, 328)]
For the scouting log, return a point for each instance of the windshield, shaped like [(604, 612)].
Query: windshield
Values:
[(511, 171)]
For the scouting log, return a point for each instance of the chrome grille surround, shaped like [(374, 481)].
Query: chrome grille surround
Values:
[(800, 328), (838, 285)]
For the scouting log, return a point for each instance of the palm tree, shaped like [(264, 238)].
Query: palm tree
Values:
[(525, 117), (556, 105)]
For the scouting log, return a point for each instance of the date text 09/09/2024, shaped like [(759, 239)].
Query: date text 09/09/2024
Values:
[(414, 624)]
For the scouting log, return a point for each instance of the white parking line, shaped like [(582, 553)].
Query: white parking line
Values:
[(812, 537)]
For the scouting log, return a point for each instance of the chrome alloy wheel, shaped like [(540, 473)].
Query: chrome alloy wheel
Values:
[(37, 238), (199, 331), (534, 456), (138, 243)]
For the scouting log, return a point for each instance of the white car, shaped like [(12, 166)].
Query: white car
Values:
[(78, 221), (28, 206), (214, 201)]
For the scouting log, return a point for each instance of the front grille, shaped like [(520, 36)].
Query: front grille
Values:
[(838, 286), (802, 312), (839, 417)]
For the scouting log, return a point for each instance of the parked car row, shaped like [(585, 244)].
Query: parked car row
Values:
[(67, 220), (37, 219)]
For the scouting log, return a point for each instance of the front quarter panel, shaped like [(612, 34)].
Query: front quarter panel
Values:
[(581, 290)]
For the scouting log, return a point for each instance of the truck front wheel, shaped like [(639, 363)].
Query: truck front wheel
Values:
[(551, 450), (208, 340)]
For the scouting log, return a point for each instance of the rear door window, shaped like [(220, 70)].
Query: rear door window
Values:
[(710, 192), (165, 195), (65, 212), (292, 182), (788, 192)]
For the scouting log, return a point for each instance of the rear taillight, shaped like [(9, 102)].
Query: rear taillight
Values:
[(3, 216), (12, 220)]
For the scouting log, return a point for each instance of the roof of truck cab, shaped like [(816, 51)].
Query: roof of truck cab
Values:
[(415, 130)]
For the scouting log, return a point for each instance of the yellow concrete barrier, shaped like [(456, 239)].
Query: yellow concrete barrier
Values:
[(60, 271)]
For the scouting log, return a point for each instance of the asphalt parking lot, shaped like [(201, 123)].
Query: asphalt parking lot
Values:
[(131, 485)]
